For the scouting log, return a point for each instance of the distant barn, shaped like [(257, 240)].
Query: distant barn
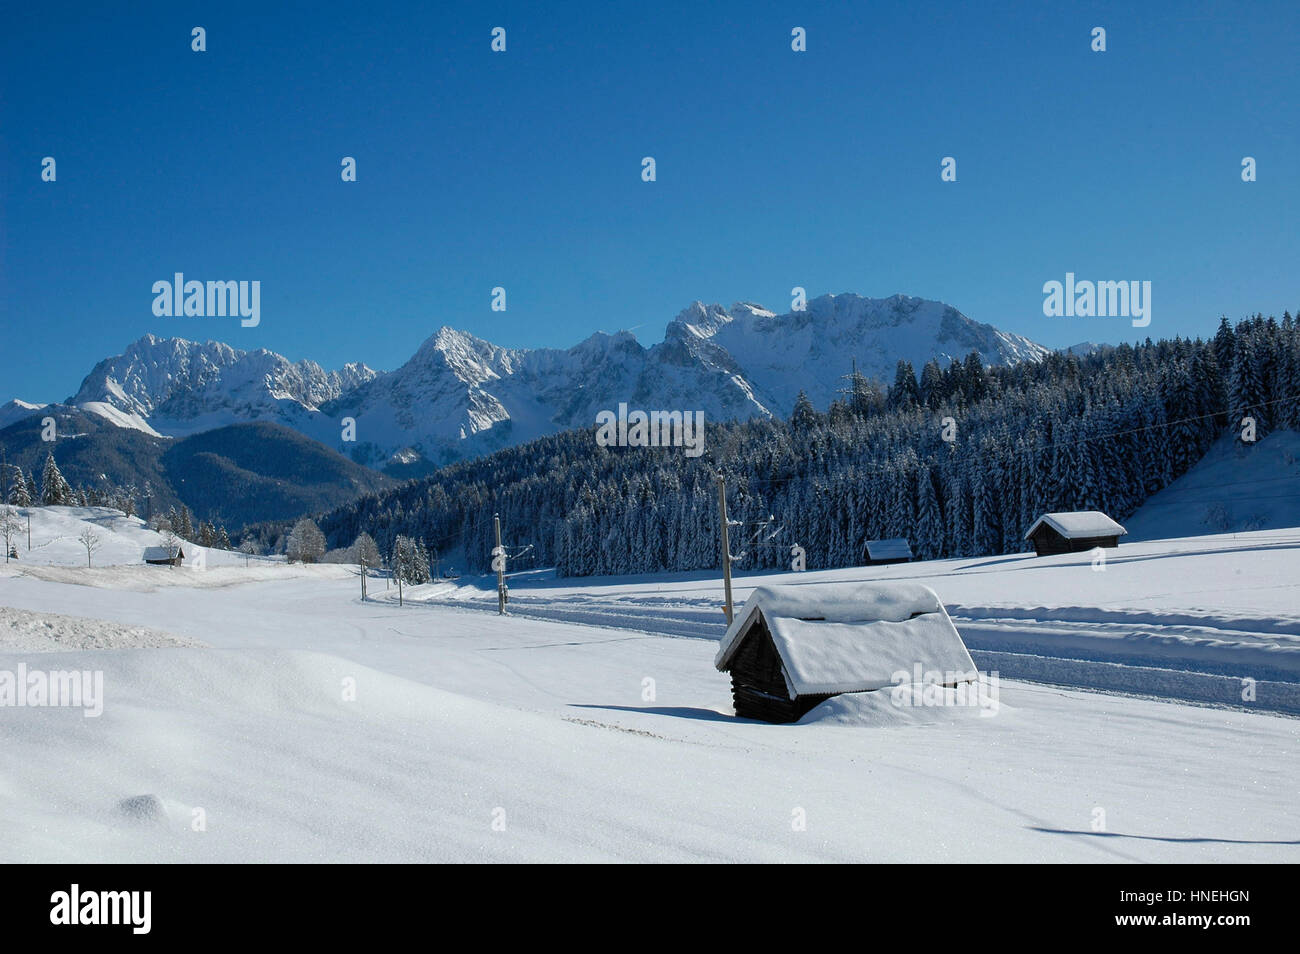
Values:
[(880, 552), (1074, 532), (790, 647), (162, 556)]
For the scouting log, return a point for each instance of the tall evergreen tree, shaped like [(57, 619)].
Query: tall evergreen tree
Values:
[(1224, 346), (1246, 390), (804, 417), (931, 387), (929, 521), (55, 491), (18, 495), (904, 393)]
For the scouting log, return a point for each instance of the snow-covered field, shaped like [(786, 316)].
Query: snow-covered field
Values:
[(591, 725)]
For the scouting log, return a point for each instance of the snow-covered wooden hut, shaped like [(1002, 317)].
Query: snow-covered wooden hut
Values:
[(880, 552), (164, 556), (1074, 532), (790, 647)]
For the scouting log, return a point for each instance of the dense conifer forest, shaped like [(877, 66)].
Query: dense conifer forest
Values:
[(1101, 432)]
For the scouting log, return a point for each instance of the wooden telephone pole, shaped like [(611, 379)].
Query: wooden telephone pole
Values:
[(499, 559), (726, 547)]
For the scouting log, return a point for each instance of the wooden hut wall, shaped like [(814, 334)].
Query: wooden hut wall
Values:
[(1047, 542), (758, 689)]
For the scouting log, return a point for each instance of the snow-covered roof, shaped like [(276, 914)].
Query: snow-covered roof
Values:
[(850, 637), (160, 553), (896, 549), (1081, 523)]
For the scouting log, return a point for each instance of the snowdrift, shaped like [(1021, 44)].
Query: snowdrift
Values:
[(910, 704)]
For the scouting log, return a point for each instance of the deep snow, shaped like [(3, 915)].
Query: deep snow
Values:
[(474, 737)]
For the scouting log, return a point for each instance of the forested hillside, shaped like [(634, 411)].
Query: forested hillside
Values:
[(1100, 432), (229, 476)]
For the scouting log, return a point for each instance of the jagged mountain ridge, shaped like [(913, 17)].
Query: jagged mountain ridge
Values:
[(461, 396), (179, 386)]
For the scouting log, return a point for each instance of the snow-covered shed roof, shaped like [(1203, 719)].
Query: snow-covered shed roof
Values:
[(849, 637), (160, 553), (1081, 523), (896, 549)]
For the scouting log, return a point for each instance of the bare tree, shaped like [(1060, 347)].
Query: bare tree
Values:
[(90, 540), (249, 548), (365, 551), (9, 528), (306, 542), (171, 543)]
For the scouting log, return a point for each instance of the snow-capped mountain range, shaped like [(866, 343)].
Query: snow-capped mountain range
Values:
[(460, 396), (172, 386)]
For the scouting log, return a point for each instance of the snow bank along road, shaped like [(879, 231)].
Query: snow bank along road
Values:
[(314, 727)]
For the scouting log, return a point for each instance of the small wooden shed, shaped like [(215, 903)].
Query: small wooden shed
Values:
[(790, 647), (881, 552), (162, 556), (1075, 532)]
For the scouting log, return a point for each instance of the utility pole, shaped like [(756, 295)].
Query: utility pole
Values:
[(363, 581), (499, 562), (726, 546)]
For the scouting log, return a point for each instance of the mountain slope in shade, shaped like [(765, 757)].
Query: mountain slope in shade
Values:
[(247, 472), (91, 450), (244, 473), (461, 396)]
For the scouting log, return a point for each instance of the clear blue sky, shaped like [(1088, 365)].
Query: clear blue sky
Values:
[(522, 169)]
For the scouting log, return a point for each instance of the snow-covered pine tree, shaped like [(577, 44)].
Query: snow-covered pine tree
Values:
[(1225, 346), (18, 495), (55, 491), (929, 521), (804, 416), (904, 393), (410, 561), (1246, 391), (1180, 408), (423, 565), (987, 535), (931, 388), (1286, 412)]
